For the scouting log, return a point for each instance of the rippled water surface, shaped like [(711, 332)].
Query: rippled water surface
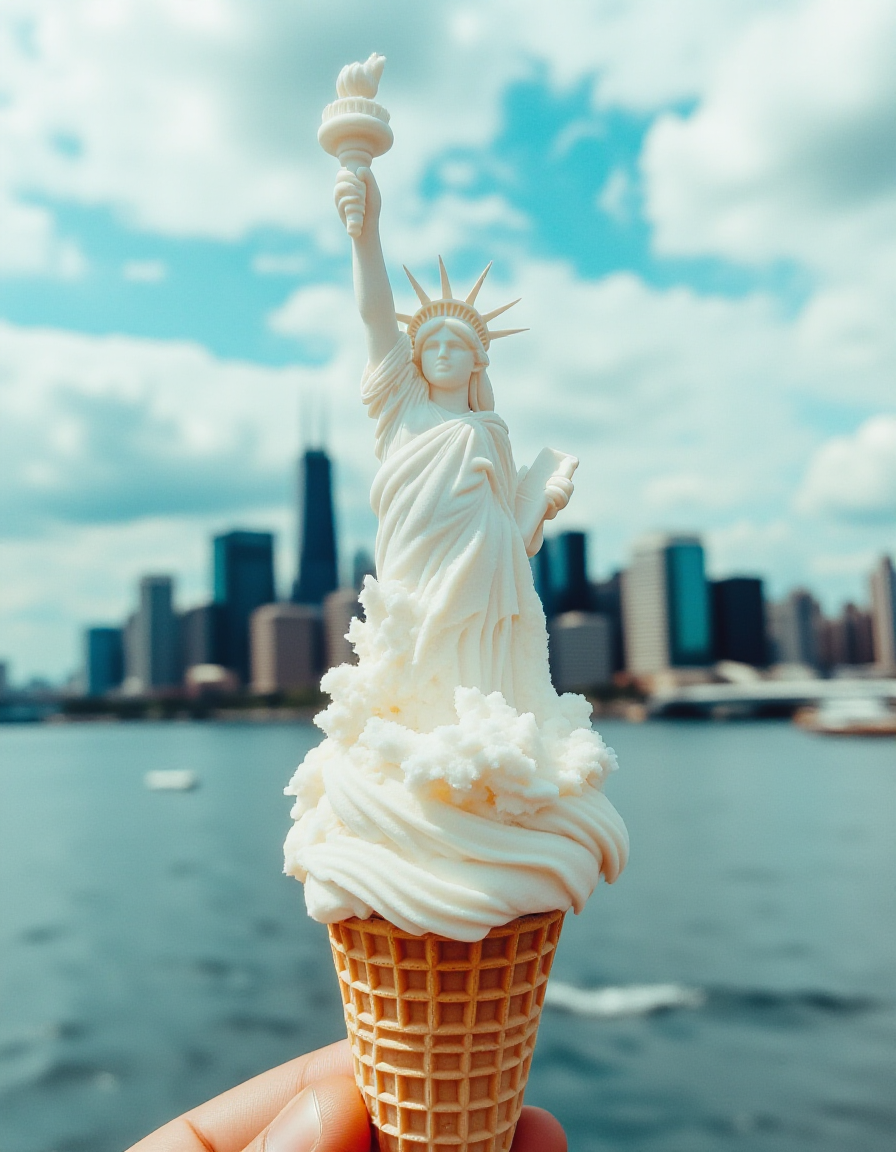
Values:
[(151, 953)]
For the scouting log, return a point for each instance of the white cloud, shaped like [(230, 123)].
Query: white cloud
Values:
[(854, 477), (200, 119), (790, 152), (281, 263), (145, 271), (615, 196), (116, 430), (31, 245), (208, 127)]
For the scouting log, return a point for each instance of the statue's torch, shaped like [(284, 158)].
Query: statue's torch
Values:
[(354, 127)]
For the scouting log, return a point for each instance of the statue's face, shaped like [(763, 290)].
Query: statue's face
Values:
[(447, 361)]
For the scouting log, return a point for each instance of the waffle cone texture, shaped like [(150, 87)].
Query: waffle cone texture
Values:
[(442, 1031)]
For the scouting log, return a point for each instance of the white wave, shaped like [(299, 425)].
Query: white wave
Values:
[(625, 1000)]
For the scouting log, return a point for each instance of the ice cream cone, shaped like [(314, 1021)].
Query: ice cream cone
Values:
[(442, 1031)]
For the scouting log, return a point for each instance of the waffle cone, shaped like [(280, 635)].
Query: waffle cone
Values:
[(442, 1031)]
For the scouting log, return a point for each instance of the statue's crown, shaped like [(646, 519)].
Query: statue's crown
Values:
[(464, 310)]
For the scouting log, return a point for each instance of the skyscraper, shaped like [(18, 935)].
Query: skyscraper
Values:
[(738, 610), (154, 657), (606, 599), (848, 640), (883, 612), (363, 565), (560, 574), (244, 580), (318, 568), (665, 605), (567, 556), (794, 624), (202, 635), (340, 608), (104, 660), (286, 642), (581, 650)]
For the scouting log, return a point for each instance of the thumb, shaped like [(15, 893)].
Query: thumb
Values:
[(328, 1116)]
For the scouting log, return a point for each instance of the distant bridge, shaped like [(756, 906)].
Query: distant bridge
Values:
[(764, 697)]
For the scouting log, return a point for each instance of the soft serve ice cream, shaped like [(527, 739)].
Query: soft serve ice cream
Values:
[(448, 827), (455, 790)]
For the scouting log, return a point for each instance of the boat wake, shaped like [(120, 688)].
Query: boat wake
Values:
[(784, 1008), (624, 1000)]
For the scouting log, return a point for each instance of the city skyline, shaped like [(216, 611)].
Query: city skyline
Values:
[(661, 612), (217, 623), (704, 279)]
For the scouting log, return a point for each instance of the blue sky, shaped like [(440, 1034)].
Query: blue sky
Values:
[(709, 297)]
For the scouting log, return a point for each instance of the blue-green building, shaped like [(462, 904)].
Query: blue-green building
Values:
[(667, 611)]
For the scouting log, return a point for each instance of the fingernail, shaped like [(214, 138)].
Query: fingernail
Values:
[(298, 1127)]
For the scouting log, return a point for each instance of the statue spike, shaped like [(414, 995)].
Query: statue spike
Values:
[(421, 295), (497, 312), (403, 318), (446, 284), (505, 332), (474, 291)]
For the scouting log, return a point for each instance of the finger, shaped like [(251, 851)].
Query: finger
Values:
[(346, 176), (230, 1121), (557, 497), (568, 467), (349, 193), (558, 484), (328, 1116), (538, 1131)]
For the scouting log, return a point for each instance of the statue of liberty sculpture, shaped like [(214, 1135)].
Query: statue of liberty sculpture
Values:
[(451, 527), (446, 739)]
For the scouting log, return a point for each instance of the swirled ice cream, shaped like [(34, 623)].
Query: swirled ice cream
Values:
[(447, 823)]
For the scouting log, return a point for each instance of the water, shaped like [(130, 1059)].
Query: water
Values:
[(151, 954)]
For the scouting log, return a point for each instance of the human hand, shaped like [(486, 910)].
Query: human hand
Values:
[(310, 1104)]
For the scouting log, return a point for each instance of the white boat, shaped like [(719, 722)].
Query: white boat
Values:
[(858, 716), (171, 780)]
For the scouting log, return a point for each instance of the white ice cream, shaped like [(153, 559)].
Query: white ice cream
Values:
[(455, 790)]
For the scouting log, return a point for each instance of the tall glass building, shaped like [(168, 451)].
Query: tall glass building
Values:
[(738, 607), (666, 605), (560, 573), (318, 567), (690, 624), (104, 660), (154, 659), (243, 581)]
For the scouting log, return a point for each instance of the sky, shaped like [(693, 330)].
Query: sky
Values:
[(696, 202)]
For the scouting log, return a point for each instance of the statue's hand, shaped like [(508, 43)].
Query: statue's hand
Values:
[(558, 492), (357, 193), (350, 193)]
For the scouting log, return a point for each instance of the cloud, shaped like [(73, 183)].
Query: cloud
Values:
[(200, 119), (854, 477), (145, 271), (30, 243), (115, 430), (790, 152)]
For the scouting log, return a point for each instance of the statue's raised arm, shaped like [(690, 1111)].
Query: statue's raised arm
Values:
[(356, 128)]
